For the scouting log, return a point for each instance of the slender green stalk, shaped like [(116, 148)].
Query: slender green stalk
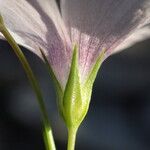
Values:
[(71, 138), (47, 131), (48, 139)]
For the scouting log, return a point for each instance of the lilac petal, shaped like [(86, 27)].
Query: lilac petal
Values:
[(37, 24), (138, 36), (97, 24)]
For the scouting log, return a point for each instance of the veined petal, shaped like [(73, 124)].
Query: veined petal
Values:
[(138, 36), (36, 25), (102, 24)]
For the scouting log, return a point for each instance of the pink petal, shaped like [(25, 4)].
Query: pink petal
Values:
[(37, 24), (97, 24)]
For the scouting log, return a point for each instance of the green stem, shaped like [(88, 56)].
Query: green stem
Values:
[(48, 136), (48, 139), (71, 138)]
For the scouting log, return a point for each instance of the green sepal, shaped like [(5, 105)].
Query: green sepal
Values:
[(72, 99), (77, 95), (1, 20), (1, 23), (87, 86), (93, 73), (56, 83), (59, 90)]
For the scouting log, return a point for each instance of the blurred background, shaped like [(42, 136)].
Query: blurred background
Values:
[(119, 114)]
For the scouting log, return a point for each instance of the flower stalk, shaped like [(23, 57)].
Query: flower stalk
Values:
[(71, 138), (47, 130)]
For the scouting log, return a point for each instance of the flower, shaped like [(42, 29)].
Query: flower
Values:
[(91, 25)]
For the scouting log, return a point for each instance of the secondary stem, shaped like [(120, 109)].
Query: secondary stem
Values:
[(71, 138), (48, 139), (48, 136)]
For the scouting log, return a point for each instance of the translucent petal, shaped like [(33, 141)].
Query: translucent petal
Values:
[(138, 36), (37, 24), (97, 24)]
